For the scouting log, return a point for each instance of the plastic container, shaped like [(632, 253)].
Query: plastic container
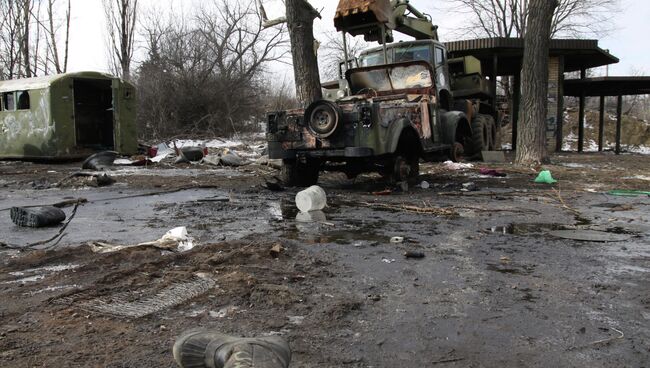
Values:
[(311, 199)]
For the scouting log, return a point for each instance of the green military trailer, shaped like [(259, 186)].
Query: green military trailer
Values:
[(66, 116)]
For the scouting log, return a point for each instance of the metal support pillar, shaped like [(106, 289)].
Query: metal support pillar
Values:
[(619, 113), (581, 116), (559, 132), (493, 86), (601, 124)]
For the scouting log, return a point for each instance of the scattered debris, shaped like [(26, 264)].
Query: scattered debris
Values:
[(384, 192), (189, 154), (100, 161), (275, 185), (313, 198), (397, 240), (457, 165), (545, 177), (414, 254), (230, 158), (389, 261), (629, 193), (276, 250), (492, 172), (175, 239), (425, 185), (469, 187)]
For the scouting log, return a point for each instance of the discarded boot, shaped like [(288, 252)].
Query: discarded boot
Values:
[(36, 217), (209, 349)]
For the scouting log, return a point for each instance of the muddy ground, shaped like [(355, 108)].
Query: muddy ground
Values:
[(494, 289)]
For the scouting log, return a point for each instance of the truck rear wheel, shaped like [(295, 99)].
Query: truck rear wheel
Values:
[(480, 135), (299, 174)]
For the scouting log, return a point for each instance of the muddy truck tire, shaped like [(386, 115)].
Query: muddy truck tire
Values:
[(480, 140), (299, 174), (492, 133)]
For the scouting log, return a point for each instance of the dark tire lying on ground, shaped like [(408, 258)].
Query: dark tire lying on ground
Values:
[(404, 168), (299, 174)]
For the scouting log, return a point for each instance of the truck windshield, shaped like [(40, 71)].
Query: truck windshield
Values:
[(392, 78), (412, 53), (402, 53)]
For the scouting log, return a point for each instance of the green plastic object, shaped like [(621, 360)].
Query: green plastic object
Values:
[(628, 193), (545, 177)]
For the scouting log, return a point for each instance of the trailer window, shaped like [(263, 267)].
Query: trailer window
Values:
[(23, 100), (8, 101)]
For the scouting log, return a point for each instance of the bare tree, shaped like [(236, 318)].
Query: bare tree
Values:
[(534, 84), (121, 16), (204, 74), (60, 66), (508, 18), (29, 38), (300, 21), (332, 53)]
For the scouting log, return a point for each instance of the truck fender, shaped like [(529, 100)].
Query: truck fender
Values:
[(395, 132), (454, 126)]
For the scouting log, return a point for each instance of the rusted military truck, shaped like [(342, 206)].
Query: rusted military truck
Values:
[(403, 102)]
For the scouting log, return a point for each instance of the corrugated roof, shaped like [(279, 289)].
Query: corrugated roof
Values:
[(44, 81)]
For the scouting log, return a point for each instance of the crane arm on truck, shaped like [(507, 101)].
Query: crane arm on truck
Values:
[(377, 19)]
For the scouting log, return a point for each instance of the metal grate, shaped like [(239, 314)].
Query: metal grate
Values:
[(143, 303)]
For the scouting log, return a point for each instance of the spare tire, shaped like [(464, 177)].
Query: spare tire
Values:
[(323, 118), (480, 137)]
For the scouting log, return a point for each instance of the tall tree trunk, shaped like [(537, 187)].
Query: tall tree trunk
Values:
[(25, 44), (531, 136), (300, 20)]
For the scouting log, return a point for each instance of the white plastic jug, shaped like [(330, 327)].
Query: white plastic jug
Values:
[(311, 199)]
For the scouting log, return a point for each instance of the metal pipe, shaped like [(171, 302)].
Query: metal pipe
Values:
[(383, 41), (345, 52)]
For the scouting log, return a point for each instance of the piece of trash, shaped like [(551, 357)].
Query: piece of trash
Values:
[(175, 239), (99, 161), (457, 165), (505, 259), (189, 154), (311, 199), (492, 172), (214, 160), (413, 254), (384, 192), (545, 177), (425, 185), (276, 250), (230, 158), (275, 185), (590, 235), (628, 193), (397, 239), (469, 187), (386, 260), (311, 216), (36, 217)]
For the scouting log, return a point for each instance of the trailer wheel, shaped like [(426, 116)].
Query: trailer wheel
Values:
[(299, 174)]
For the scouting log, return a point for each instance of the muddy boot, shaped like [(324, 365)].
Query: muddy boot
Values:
[(208, 349), (36, 217)]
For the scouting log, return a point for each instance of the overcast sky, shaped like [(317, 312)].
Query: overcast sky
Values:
[(628, 41)]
